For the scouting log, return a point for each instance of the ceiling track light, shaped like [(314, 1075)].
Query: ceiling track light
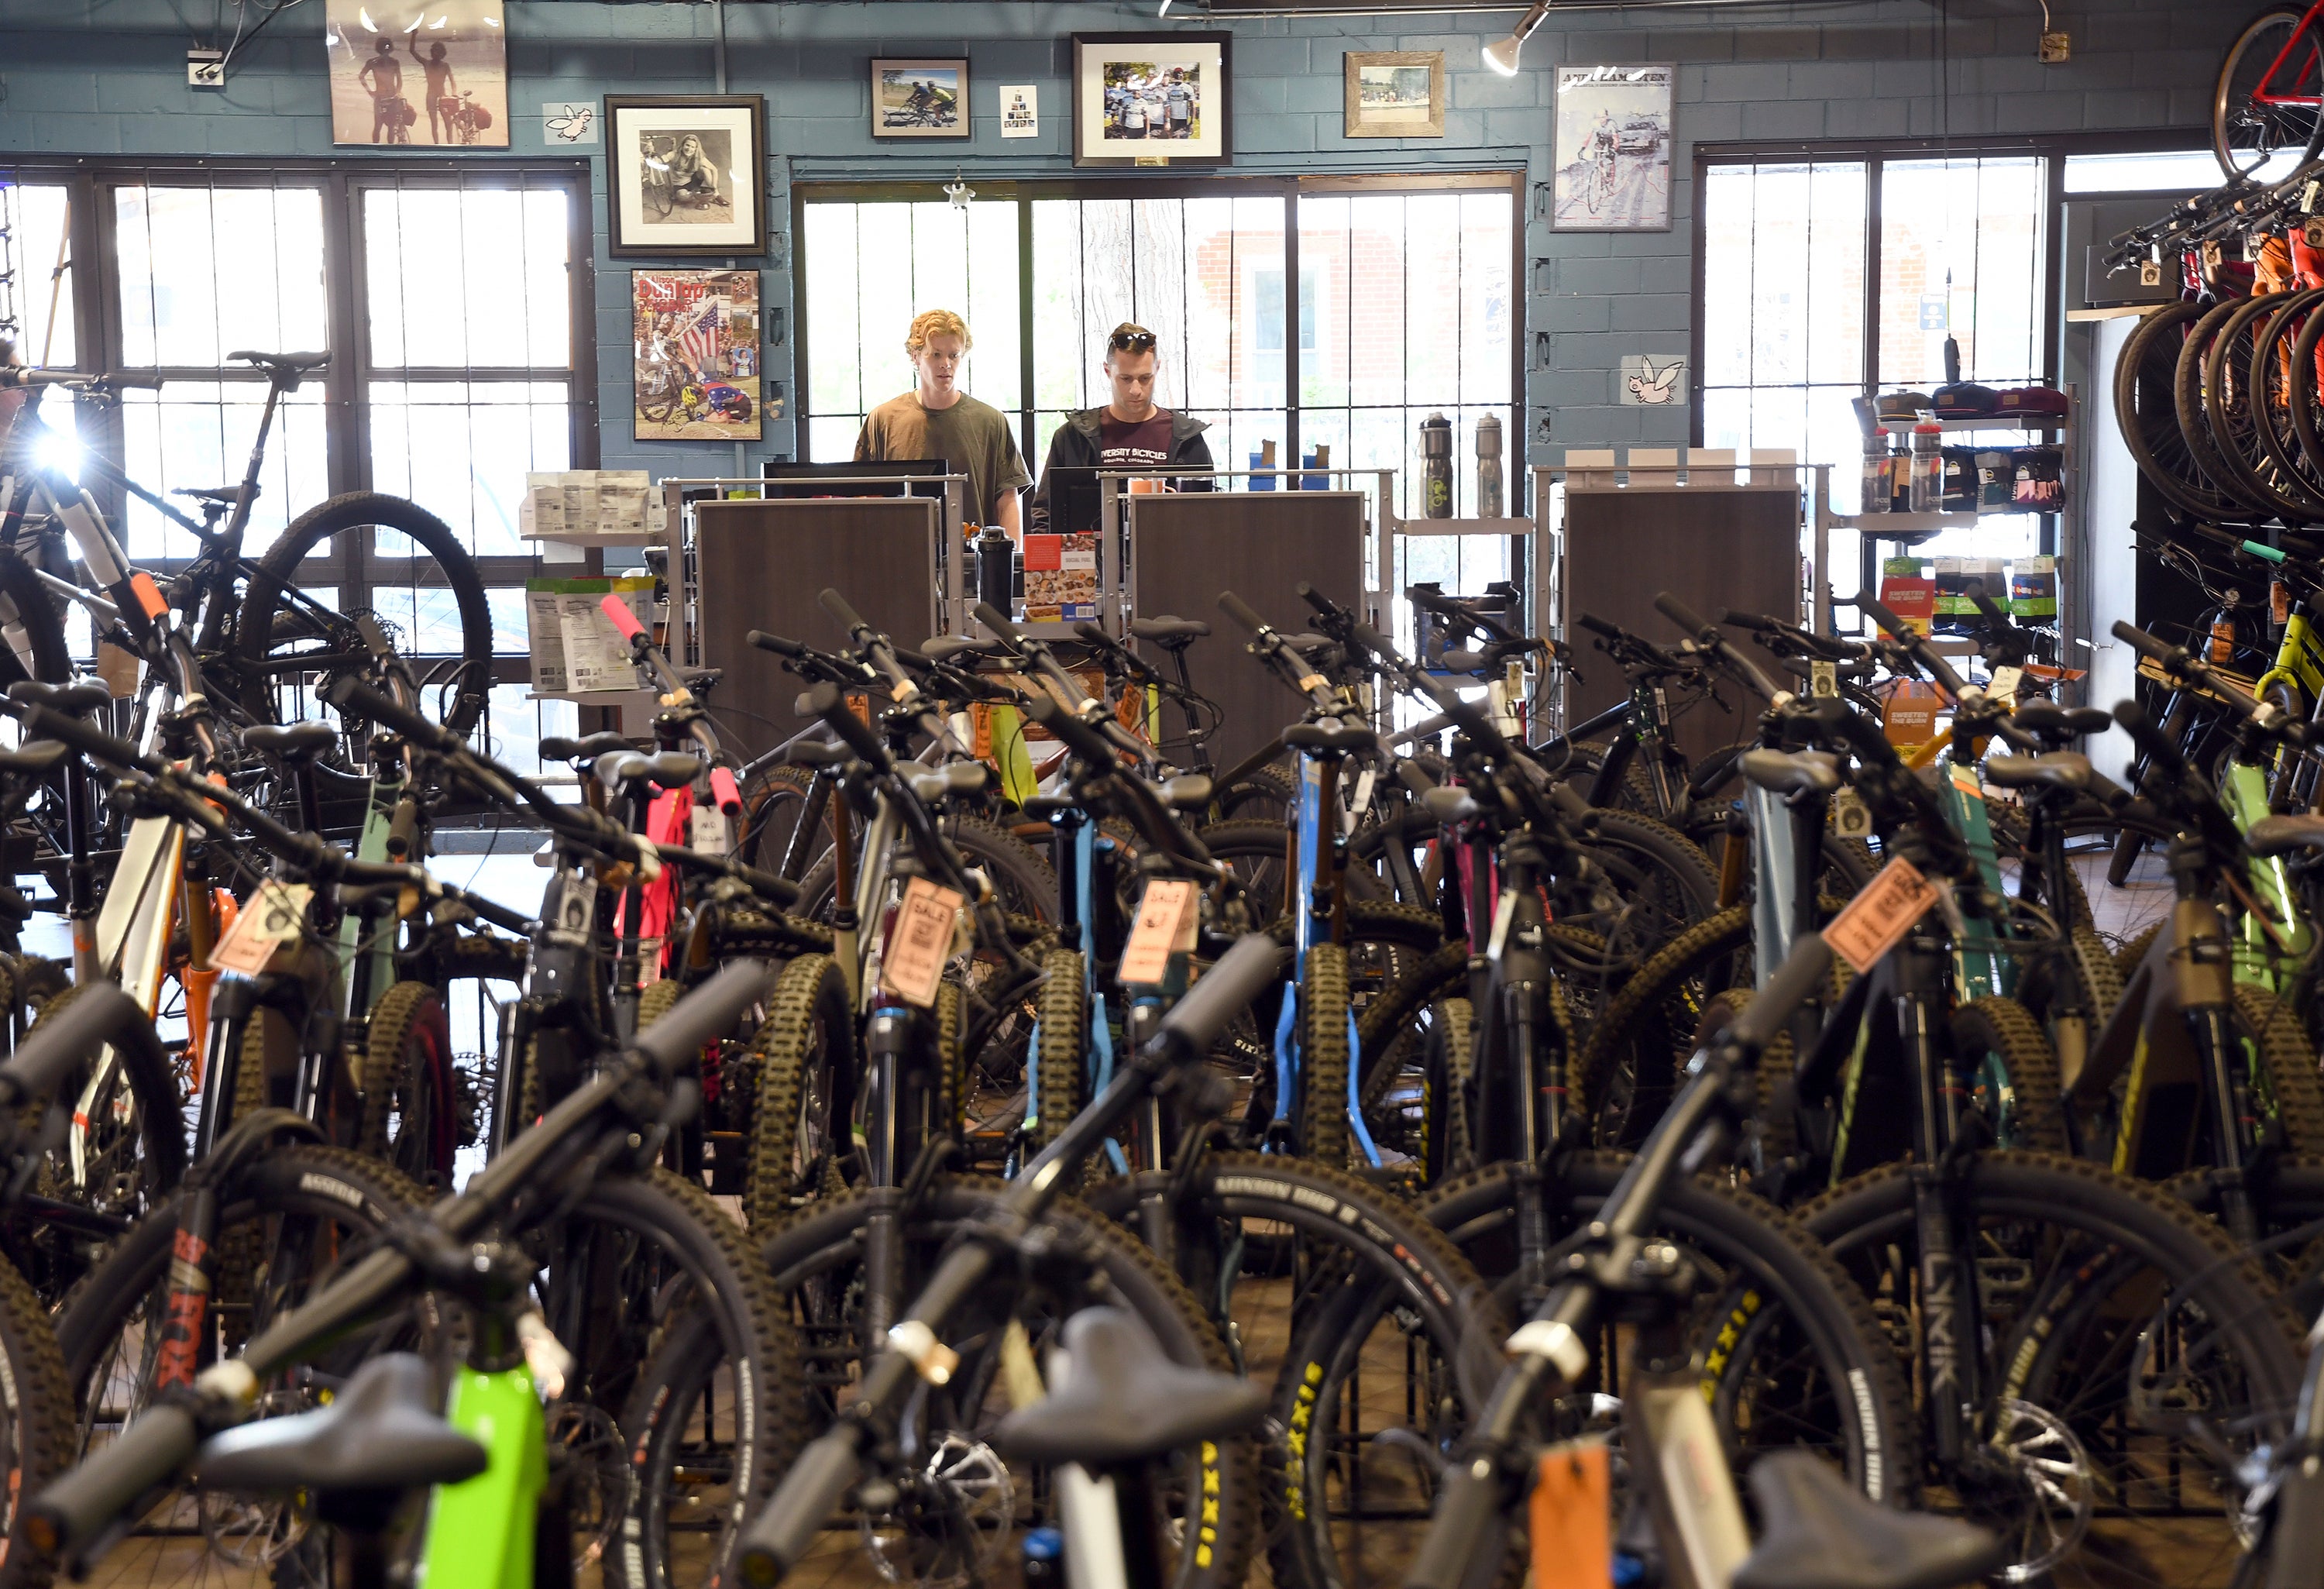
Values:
[(1503, 57)]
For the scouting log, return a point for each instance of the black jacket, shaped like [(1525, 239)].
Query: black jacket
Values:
[(1066, 502)]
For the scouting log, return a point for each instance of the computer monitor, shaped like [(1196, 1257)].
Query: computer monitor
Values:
[(852, 479)]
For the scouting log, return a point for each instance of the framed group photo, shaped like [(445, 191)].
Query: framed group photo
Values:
[(920, 98), (1152, 99), (686, 176), (1612, 149), (695, 355), (1396, 94)]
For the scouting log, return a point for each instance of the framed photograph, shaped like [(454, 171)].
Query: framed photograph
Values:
[(1152, 99), (696, 356), (1612, 149), (436, 75), (686, 176), (919, 99), (1396, 94)]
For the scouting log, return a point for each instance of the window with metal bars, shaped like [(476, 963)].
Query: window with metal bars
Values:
[(455, 302)]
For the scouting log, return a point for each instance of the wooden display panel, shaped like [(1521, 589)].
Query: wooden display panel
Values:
[(760, 565), (1260, 544), (1713, 548)]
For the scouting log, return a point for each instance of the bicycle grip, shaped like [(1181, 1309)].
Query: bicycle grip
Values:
[(1235, 607), (1794, 983), (2150, 739), (2260, 548), (801, 1504), (826, 702), (1990, 608), (1889, 622), (101, 1013), (1597, 625), (1242, 974), (1093, 635), (702, 1016), (618, 614), (1680, 613), (1315, 599), (1086, 743), (134, 382), (1467, 1521), (1413, 776), (354, 695), (724, 793), (2145, 644), (492, 910), (836, 605), (85, 1503), (782, 890), (997, 621), (776, 644)]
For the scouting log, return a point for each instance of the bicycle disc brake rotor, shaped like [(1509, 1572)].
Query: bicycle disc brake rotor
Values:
[(951, 1522), (2056, 1489)]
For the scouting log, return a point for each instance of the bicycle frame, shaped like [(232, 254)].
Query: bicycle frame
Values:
[(2261, 93)]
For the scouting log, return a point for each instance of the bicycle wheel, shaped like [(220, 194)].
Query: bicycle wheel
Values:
[(410, 1104), (1792, 1356), (2147, 413), (1026, 884), (1321, 1113), (2203, 445), (2235, 410), (806, 1064), (970, 1508), (2279, 387), (773, 803), (285, 645), (687, 1368), (1628, 1062), (1061, 1074), (36, 1419), (309, 1212), (2114, 1319), (2244, 134), (1380, 1337)]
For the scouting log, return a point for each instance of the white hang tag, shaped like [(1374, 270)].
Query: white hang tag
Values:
[(2005, 684), (706, 831), (919, 942), (1823, 679), (1163, 913), (276, 914)]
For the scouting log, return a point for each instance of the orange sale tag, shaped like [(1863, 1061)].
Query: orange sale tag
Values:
[(1877, 917), (1570, 1519), (920, 942), (1167, 907)]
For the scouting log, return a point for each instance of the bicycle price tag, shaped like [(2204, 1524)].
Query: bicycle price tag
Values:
[(1877, 918), (1165, 919), (2308, 197), (1571, 1517), (706, 830), (1823, 680), (2005, 684), (1850, 816), (275, 915), (920, 942), (2279, 603)]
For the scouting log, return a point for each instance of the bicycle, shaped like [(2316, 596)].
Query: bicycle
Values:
[(2270, 91)]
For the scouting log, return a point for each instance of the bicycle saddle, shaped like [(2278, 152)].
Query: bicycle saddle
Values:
[(293, 364), (223, 496), (82, 695), (559, 749), (35, 758), (1168, 632), (1122, 1402), (955, 778), (290, 742), (1448, 804), (1189, 792), (944, 648), (1306, 643), (2054, 724), (382, 1434), (1461, 662), (1331, 738), (2066, 769), (1819, 1531), (667, 770), (1795, 773), (2277, 836)]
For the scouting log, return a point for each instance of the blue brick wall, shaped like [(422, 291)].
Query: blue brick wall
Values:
[(106, 77)]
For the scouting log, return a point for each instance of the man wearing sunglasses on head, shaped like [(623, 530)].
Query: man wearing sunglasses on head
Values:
[(1129, 433)]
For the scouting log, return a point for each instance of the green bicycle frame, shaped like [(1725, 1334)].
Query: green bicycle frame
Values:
[(480, 1530), (379, 817)]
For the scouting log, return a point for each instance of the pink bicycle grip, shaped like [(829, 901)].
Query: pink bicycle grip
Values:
[(624, 620), (723, 793)]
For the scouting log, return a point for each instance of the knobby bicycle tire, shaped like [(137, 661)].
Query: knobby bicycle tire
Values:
[(2231, 104), (806, 1062), (1321, 1113), (407, 1084), (2033, 1117), (1061, 1073), (816, 1259), (2146, 413), (255, 630)]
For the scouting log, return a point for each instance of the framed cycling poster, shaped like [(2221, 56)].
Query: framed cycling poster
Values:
[(695, 351), (430, 77), (920, 98), (1612, 149), (1152, 99), (686, 176)]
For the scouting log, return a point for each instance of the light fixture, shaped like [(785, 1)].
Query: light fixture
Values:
[(1503, 57)]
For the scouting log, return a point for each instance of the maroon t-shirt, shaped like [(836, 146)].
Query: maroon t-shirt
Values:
[(1145, 445)]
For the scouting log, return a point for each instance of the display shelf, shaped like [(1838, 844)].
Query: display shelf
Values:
[(1888, 526), (1983, 423), (642, 698), (1463, 526), (591, 539)]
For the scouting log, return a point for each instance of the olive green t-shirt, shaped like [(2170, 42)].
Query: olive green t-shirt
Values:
[(974, 438)]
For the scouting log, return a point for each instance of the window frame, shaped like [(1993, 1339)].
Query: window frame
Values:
[(1290, 189), (93, 238)]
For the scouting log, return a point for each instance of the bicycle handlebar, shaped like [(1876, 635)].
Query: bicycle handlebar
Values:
[(82, 1504), (702, 1016), (1916, 645)]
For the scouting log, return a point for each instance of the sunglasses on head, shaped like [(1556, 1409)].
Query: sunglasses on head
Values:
[(1131, 342)]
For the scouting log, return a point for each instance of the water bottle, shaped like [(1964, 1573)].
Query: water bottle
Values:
[(1488, 467), (1928, 465), (1877, 465), (996, 567), (1436, 466)]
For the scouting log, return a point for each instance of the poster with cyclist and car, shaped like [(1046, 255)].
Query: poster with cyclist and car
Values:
[(1613, 149), (686, 175), (432, 75), (919, 99), (696, 337)]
